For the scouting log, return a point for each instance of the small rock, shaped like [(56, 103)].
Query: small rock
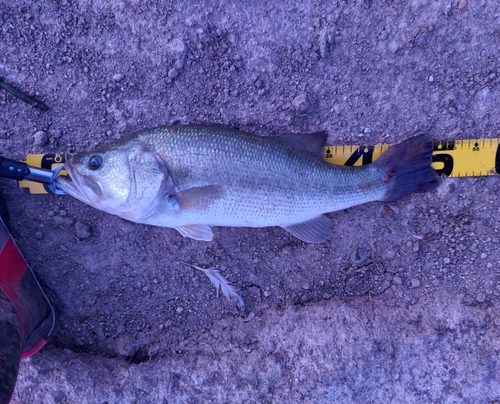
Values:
[(118, 77), (383, 35), (173, 73), (181, 56), (415, 283), (82, 230), (431, 79), (462, 4), (390, 254), (63, 220), (393, 46), (179, 310), (55, 133), (446, 260), (483, 256), (38, 235), (301, 103), (324, 45), (367, 3), (41, 138), (99, 332), (447, 10), (481, 297)]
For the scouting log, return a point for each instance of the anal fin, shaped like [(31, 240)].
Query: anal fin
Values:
[(315, 230), (201, 232)]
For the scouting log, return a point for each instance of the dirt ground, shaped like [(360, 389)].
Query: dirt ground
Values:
[(375, 315)]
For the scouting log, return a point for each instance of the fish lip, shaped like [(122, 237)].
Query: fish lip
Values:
[(71, 185)]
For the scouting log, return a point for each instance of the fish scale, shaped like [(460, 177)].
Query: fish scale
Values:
[(268, 177), (191, 177)]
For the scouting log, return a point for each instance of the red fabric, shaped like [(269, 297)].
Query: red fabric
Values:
[(12, 268), (39, 345)]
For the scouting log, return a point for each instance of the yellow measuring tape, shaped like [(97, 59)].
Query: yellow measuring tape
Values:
[(450, 158)]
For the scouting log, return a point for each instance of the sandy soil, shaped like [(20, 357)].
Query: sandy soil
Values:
[(375, 315)]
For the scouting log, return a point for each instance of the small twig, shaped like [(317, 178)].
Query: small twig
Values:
[(23, 96)]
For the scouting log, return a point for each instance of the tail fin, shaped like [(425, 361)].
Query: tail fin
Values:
[(407, 167)]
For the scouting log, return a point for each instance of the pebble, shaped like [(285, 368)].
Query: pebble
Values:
[(481, 297), (301, 103), (446, 260), (40, 138), (99, 332), (367, 3), (431, 79), (483, 256), (38, 235), (82, 230), (179, 310), (55, 133), (415, 283), (62, 220), (393, 46), (173, 73), (390, 254), (118, 77)]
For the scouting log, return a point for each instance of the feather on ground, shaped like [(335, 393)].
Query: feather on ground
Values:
[(220, 283)]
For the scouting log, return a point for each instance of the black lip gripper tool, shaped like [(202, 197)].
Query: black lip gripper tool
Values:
[(17, 170)]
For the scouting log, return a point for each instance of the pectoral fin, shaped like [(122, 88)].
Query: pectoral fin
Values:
[(315, 230), (196, 231), (198, 198)]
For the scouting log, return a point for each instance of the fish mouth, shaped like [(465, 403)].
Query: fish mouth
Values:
[(72, 185)]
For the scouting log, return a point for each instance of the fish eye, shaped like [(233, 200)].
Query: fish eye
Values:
[(95, 162)]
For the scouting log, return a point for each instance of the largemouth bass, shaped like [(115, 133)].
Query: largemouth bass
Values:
[(192, 177)]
